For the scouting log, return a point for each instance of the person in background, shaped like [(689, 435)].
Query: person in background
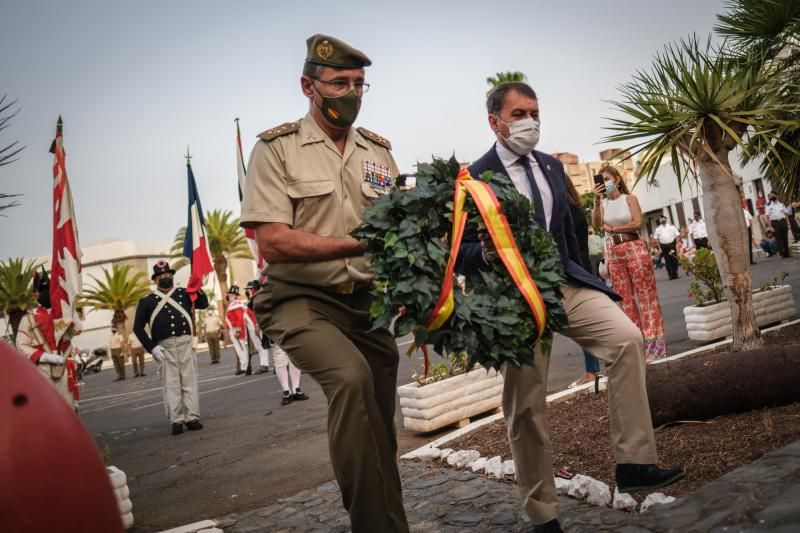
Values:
[(779, 222), (165, 328), (212, 333), (596, 250), (655, 253), (769, 243), (237, 330), (253, 332), (629, 263), (591, 364), (36, 341), (698, 232), (748, 220), (115, 347), (667, 235), (136, 351), (684, 246), (792, 210)]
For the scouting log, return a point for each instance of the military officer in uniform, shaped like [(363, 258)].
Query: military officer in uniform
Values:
[(308, 184), (36, 340), (254, 335), (167, 315)]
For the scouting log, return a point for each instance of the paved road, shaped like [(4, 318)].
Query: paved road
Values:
[(254, 451)]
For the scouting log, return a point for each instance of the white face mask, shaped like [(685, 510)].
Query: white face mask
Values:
[(523, 135)]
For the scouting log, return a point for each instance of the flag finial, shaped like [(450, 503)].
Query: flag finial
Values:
[(236, 120), (188, 156)]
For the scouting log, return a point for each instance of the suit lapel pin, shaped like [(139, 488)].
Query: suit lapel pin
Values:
[(548, 167)]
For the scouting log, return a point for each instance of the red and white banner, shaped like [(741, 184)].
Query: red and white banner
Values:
[(241, 171), (66, 283)]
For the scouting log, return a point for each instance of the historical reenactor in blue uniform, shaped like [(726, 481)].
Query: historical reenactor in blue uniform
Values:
[(164, 325)]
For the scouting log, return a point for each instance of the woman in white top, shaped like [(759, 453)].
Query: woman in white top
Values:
[(629, 263)]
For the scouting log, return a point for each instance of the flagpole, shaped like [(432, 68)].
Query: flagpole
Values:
[(188, 157)]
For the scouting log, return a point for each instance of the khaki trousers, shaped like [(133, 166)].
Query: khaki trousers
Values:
[(599, 326), (119, 361), (179, 380), (212, 338), (327, 337), (137, 360)]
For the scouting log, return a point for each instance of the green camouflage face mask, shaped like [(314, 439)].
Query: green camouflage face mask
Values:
[(341, 111)]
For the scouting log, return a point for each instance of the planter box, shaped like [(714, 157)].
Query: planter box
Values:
[(450, 401), (120, 483), (713, 322)]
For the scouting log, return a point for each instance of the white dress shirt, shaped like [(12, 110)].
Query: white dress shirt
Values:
[(518, 177), (698, 229), (748, 218), (666, 233), (776, 210)]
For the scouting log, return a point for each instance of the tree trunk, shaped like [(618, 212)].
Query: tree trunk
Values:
[(713, 385), (15, 315), (727, 233)]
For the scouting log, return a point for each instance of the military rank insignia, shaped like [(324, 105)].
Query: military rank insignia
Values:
[(377, 175)]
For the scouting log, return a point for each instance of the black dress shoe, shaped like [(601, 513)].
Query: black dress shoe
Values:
[(287, 398), (632, 477), (299, 395), (548, 527), (194, 425), (239, 373), (262, 370), (177, 429)]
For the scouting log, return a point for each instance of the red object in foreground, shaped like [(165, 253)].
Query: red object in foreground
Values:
[(52, 477)]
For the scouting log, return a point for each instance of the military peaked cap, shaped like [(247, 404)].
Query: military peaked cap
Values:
[(331, 52)]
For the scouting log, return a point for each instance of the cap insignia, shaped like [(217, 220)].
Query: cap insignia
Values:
[(324, 50)]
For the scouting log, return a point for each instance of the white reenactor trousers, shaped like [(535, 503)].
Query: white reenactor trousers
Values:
[(179, 380), (61, 384), (240, 347), (263, 353)]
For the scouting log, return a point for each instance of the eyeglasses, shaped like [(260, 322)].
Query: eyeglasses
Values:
[(342, 86)]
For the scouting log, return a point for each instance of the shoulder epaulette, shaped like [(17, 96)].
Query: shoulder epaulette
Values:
[(374, 137), (278, 131)]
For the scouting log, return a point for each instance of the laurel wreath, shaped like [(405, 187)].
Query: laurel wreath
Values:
[(407, 233)]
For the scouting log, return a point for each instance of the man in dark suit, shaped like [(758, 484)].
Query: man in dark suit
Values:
[(595, 321)]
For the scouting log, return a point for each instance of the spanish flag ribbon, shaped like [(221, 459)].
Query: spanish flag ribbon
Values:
[(503, 239)]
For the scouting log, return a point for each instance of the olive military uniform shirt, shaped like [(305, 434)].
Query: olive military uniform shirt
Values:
[(297, 176)]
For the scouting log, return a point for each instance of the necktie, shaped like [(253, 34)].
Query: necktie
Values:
[(538, 206)]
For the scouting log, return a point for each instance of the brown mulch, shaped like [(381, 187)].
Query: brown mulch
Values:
[(706, 450)]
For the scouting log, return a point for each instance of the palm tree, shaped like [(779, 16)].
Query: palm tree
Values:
[(696, 105), (773, 27), (226, 241), (505, 77), (16, 292), (8, 153), (118, 291)]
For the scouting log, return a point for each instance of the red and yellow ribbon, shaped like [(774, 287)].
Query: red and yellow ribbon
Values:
[(503, 239)]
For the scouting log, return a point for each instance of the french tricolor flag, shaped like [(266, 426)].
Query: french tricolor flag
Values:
[(195, 245)]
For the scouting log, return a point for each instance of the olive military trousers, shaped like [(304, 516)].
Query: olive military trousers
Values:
[(599, 326), (327, 337)]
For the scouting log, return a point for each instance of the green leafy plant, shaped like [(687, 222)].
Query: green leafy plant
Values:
[(457, 364), (707, 283), (407, 236), (774, 283)]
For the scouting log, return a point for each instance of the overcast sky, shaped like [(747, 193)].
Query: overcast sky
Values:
[(136, 82)]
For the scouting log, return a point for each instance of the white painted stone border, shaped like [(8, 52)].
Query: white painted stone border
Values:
[(562, 395), (193, 528)]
